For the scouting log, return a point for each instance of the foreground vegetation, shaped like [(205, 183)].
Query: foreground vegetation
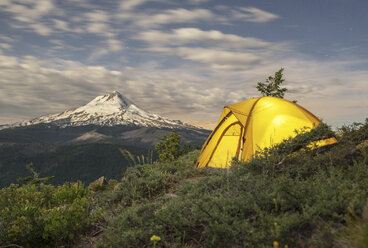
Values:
[(289, 196)]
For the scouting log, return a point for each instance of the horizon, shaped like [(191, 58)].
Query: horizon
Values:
[(182, 60)]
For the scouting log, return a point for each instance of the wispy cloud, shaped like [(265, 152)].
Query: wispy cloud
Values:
[(198, 1), (182, 36), (6, 42), (214, 48), (168, 16), (115, 45), (252, 14), (62, 25), (31, 14), (127, 5), (217, 59)]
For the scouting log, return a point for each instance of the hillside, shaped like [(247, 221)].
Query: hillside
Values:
[(78, 153), (84, 162), (290, 196), (83, 143)]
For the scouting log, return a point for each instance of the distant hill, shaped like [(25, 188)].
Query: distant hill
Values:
[(83, 144)]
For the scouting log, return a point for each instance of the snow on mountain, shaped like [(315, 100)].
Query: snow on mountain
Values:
[(108, 110)]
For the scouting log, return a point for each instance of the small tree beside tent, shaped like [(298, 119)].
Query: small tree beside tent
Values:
[(272, 86)]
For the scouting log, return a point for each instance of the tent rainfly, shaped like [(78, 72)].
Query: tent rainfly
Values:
[(252, 125)]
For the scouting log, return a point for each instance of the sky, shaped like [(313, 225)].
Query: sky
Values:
[(183, 59)]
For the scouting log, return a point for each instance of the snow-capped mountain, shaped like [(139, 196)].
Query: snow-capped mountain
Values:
[(107, 110)]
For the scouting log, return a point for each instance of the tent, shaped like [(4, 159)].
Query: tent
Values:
[(252, 125)]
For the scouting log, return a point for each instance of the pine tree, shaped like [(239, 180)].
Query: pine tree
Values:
[(168, 148)]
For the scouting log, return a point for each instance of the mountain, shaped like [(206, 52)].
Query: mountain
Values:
[(85, 143), (111, 109)]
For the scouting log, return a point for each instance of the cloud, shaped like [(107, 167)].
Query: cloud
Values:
[(198, 1), (168, 16), (46, 18), (252, 14), (130, 4), (114, 45), (6, 39), (107, 47), (97, 28), (218, 59), (182, 36), (98, 22), (213, 48), (31, 14), (5, 46), (97, 16), (6, 42), (62, 25), (41, 29), (29, 11)]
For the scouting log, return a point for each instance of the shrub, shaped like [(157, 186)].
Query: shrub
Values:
[(355, 233), (42, 215)]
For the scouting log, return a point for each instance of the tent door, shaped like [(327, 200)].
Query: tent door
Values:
[(228, 146)]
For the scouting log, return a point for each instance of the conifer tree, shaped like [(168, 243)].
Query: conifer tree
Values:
[(168, 148)]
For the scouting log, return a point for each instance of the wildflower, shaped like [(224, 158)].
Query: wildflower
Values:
[(155, 238), (276, 227), (275, 244)]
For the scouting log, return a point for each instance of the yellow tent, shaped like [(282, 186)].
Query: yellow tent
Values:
[(251, 125)]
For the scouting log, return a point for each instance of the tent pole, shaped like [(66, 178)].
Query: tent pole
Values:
[(241, 144), (246, 127)]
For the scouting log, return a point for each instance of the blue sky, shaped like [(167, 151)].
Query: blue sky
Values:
[(182, 59)]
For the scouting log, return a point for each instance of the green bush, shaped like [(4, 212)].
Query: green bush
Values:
[(150, 181), (42, 215), (355, 233)]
